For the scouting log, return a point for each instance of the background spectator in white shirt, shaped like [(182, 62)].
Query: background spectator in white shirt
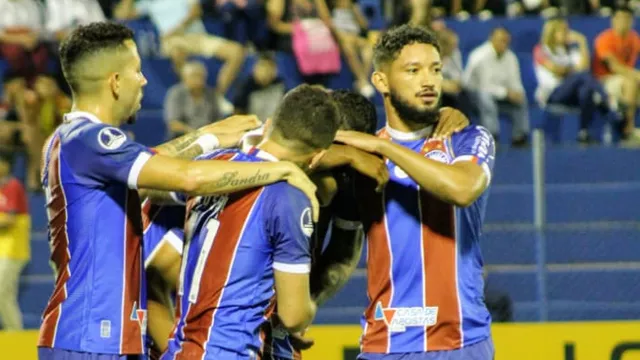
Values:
[(453, 92), (493, 72)]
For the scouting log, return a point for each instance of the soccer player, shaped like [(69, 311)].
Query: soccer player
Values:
[(90, 173), (239, 246), (424, 265)]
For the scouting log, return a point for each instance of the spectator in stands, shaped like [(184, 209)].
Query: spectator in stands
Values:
[(190, 104), (15, 224), (615, 56), (493, 72), (10, 126), (280, 17), (350, 24), (183, 33), (261, 91), (453, 93), (52, 104), (21, 38), (561, 62)]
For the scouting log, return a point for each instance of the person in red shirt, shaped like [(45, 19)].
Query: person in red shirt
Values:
[(15, 224), (615, 56)]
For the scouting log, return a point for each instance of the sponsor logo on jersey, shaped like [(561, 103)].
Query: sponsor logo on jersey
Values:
[(398, 319), (111, 138), (438, 155), (139, 315), (306, 222)]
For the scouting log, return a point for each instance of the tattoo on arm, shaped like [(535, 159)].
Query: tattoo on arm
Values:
[(176, 146), (334, 268), (231, 180)]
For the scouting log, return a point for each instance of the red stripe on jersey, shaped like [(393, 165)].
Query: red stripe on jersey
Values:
[(149, 213), (439, 253), (131, 341), (59, 242), (200, 315), (376, 336)]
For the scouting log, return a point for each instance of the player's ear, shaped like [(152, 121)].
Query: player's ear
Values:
[(379, 80), (114, 84), (315, 160)]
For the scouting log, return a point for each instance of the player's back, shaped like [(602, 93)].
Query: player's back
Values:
[(226, 289), (424, 261), (99, 301)]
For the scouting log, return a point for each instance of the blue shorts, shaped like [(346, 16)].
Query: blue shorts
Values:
[(482, 350), (62, 354)]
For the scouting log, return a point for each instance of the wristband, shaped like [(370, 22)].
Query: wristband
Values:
[(208, 142)]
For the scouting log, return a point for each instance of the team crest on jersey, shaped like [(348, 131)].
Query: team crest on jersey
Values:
[(438, 155), (306, 222), (398, 319), (139, 315), (111, 138)]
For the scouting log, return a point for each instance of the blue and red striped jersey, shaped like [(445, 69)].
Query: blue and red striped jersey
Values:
[(90, 172), (424, 265), (233, 244)]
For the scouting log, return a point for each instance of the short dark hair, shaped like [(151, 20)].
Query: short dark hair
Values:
[(309, 116), (88, 40), (395, 39), (356, 111)]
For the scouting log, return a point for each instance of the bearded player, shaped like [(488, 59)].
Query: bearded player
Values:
[(423, 230)]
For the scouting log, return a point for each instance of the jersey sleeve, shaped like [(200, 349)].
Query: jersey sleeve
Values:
[(104, 154), (476, 144), (289, 225)]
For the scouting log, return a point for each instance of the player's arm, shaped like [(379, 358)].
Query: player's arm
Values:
[(365, 163), (224, 133), (160, 310), (334, 267), (459, 183), (289, 227)]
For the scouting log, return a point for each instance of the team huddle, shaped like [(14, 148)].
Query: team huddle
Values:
[(221, 244)]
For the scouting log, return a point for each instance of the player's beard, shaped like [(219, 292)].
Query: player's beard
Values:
[(413, 115)]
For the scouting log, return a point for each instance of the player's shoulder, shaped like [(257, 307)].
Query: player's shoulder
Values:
[(473, 131), (285, 196), (94, 135)]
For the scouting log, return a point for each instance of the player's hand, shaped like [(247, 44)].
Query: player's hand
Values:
[(299, 342), (451, 121), (297, 178), (370, 165), (231, 130), (362, 141)]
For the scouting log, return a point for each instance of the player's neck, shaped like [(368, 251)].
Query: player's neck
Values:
[(104, 114), (396, 123)]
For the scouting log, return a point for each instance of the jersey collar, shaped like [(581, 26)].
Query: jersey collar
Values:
[(75, 115), (409, 136)]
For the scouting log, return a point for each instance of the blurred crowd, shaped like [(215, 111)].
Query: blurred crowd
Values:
[(298, 41)]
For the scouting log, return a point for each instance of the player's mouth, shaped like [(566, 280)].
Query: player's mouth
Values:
[(428, 97)]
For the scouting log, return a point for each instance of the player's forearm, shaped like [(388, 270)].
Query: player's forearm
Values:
[(176, 146), (160, 323), (337, 263), (456, 184), (221, 177), (336, 155)]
